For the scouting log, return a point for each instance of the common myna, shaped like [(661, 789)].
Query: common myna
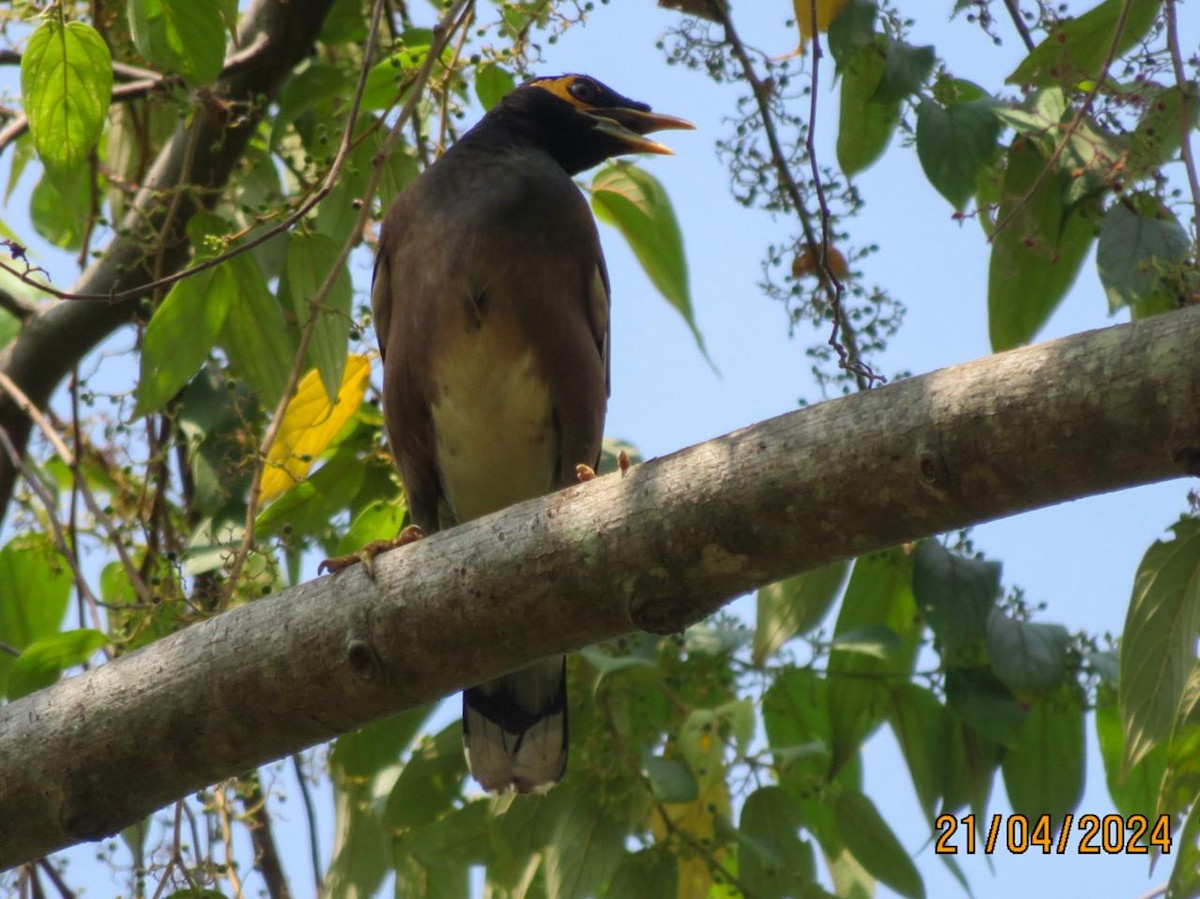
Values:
[(491, 305)]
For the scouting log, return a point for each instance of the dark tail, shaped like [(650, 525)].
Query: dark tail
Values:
[(515, 728)]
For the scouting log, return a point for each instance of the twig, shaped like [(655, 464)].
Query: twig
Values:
[(60, 537), (262, 837), (848, 360), (310, 811), (221, 801), (1074, 125), (450, 22), (1188, 99), (59, 884), (1014, 13), (26, 405), (818, 247), (16, 307)]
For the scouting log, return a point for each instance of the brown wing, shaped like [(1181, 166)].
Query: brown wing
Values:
[(473, 243)]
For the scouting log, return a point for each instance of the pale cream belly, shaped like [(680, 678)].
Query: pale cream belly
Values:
[(495, 439)]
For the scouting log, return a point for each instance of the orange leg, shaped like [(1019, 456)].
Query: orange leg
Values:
[(366, 555)]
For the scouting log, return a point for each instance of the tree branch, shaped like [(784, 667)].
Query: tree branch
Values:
[(57, 336), (656, 548)]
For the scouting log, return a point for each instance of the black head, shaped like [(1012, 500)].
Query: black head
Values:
[(580, 121)]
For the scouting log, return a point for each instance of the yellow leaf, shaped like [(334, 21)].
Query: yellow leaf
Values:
[(310, 424), (827, 11)]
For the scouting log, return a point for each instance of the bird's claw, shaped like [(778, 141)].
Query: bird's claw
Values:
[(366, 555), (584, 473)]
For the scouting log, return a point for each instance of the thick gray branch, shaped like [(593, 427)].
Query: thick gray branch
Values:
[(657, 548), (187, 175)]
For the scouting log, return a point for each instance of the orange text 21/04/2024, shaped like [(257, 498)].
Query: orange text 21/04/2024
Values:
[(1084, 835)]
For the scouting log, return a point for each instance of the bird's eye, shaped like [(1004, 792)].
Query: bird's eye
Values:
[(584, 91)]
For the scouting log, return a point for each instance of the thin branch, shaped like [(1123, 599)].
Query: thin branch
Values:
[(1074, 125), (1014, 13), (60, 538), (225, 818), (310, 812), (1189, 99), (262, 836), (59, 884), (16, 307), (849, 356), (848, 360), (25, 405)]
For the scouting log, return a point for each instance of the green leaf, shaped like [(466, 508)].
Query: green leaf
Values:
[(382, 90), (584, 847), (771, 820), (492, 83), (716, 637), (365, 752), (876, 640), (1086, 154), (1169, 114), (922, 729), (852, 29), (310, 258), (1075, 50), (905, 71), (1031, 659), (865, 125), (873, 844), (796, 714), (180, 36), (670, 780), (379, 520), (434, 862), (794, 606), (66, 86), (362, 846), (181, 334), (955, 594), (1043, 772), (254, 335), (1158, 649), (45, 659), (430, 781), (1185, 875), (1140, 242), (650, 874), (879, 594), (1037, 253), (635, 203), (977, 697), (10, 327), (954, 143), (968, 769), (1137, 792), (35, 584), (57, 205)]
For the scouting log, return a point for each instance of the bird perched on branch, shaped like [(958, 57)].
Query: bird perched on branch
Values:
[(491, 306)]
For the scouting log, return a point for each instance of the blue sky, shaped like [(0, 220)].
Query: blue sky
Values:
[(1079, 558)]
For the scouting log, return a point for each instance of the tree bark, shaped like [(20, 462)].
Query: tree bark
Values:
[(656, 548), (187, 175)]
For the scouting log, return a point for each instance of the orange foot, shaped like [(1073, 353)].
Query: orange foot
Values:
[(584, 473), (623, 462), (366, 555)]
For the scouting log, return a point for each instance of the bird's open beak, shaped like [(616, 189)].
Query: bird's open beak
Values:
[(630, 127)]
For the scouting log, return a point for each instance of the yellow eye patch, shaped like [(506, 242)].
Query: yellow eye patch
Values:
[(560, 86)]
